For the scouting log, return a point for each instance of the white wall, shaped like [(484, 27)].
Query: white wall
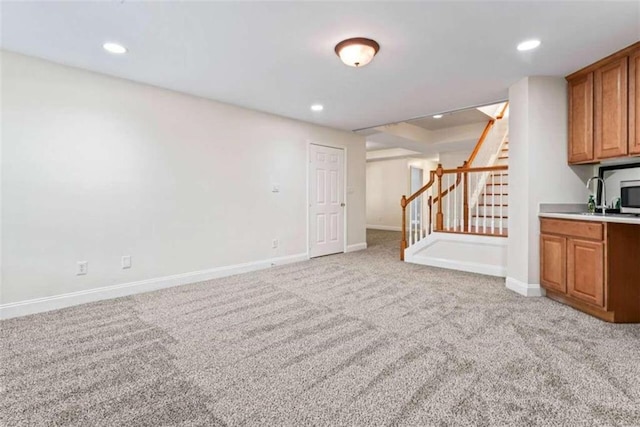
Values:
[(454, 159), (387, 181), (471, 132), (538, 172), (94, 168)]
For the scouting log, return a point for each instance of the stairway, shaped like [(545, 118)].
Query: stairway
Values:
[(494, 200), (465, 210)]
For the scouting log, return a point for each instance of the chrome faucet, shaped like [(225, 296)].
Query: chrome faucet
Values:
[(603, 201)]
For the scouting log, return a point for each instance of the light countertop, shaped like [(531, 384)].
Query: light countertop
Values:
[(622, 219)]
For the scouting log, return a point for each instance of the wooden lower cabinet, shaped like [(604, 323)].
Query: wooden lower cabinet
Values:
[(553, 262), (592, 267), (585, 271)]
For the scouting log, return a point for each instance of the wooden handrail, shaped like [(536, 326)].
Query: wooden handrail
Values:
[(482, 169), (424, 188), (454, 185), (504, 110), (476, 149), (485, 132)]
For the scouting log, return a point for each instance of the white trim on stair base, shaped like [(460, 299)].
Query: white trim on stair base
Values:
[(525, 289), (356, 247), (39, 305), (471, 267), (384, 227), (464, 252)]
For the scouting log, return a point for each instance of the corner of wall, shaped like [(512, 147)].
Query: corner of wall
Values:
[(524, 289)]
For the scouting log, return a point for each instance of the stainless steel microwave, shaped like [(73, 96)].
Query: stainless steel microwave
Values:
[(630, 197)]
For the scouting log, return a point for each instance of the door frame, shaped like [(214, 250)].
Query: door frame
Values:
[(345, 211)]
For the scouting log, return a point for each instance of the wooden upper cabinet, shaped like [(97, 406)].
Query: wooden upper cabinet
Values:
[(585, 271), (634, 102), (610, 137), (581, 119)]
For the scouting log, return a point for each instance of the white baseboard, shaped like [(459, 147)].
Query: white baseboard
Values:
[(525, 289), (356, 247), (384, 227), (472, 267), (39, 305)]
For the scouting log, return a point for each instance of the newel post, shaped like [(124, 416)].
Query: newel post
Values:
[(403, 243), (439, 216)]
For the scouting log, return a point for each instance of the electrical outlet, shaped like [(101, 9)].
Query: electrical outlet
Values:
[(274, 243), (126, 261), (82, 268)]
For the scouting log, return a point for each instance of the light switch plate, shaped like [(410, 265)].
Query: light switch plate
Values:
[(126, 261), (82, 268)]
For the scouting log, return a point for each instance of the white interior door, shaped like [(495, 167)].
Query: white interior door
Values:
[(326, 200)]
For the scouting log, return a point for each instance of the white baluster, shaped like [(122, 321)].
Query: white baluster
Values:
[(478, 204), (433, 209), (424, 210), (461, 218), (448, 202), (455, 203), (413, 221), (419, 217), (501, 203), (411, 224), (484, 210), (470, 196), (493, 216)]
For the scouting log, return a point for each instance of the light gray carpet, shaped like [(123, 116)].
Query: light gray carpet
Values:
[(349, 340)]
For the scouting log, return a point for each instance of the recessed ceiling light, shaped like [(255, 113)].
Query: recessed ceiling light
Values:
[(528, 45), (114, 48), (317, 107), (437, 116)]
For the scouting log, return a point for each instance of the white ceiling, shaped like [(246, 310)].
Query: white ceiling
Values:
[(460, 131), (456, 118), (278, 56)]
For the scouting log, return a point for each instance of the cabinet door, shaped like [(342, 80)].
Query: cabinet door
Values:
[(634, 102), (553, 262), (610, 137), (585, 271), (581, 119)]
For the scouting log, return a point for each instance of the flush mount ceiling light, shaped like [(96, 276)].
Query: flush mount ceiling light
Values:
[(357, 52), (437, 116), (528, 45), (114, 48), (317, 107)]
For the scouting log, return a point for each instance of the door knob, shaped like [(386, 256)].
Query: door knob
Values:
[(342, 204)]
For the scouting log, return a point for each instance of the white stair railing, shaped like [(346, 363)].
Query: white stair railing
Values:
[(487, 216), (443, 204)]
